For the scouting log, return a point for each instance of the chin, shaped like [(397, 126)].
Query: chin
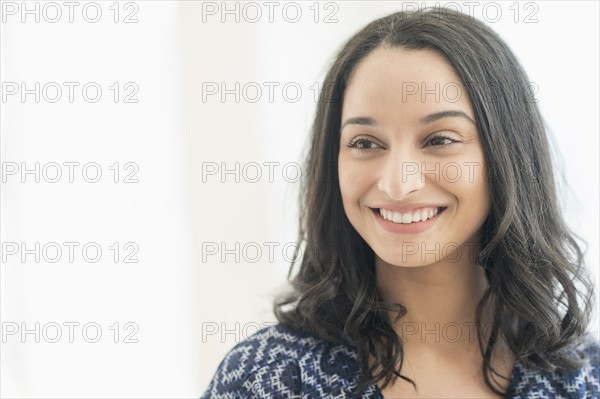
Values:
[(404, 260)]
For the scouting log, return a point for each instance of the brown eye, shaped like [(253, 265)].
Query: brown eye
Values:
[(441, 140), (362, 144)]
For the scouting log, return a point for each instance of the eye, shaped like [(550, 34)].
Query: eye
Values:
[(363, 144), (440, 141)]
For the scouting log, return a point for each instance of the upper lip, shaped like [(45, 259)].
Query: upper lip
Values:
[(408, 208)]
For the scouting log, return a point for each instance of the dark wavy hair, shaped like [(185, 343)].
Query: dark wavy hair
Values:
[(539, 288)]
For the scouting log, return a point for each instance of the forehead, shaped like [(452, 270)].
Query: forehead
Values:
[(396, 83)]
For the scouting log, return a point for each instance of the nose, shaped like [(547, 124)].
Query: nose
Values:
[(401, 175)]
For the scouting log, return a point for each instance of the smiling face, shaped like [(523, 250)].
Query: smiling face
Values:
[(411, 162)]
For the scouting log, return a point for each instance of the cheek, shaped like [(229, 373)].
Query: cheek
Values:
[(480, 188), (465, 179), (474, 193), (468, 174), (352, 182)]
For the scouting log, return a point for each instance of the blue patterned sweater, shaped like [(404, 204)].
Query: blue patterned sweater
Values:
[(277, 363)]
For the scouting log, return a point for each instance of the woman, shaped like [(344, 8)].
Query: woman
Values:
[(436, 260)]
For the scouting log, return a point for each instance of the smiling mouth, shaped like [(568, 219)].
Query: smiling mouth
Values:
[(418, 216)]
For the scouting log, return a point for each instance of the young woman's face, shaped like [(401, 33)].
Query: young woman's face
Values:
[(411, 163)]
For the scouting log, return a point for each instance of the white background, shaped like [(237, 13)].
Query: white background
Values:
[(187, 306)]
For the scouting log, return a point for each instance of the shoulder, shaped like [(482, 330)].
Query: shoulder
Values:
[(582, 382), (280, 362), (590, 348)]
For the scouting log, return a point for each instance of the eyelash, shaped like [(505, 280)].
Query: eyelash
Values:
[(354, 142), (441, 136)]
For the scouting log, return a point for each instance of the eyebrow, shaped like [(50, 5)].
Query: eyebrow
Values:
[(445, 114), (366, 121), (359, 120)]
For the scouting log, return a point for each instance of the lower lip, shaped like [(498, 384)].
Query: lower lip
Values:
[(405, 228)]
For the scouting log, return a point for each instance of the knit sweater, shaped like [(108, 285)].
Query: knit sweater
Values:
[(279, 363)]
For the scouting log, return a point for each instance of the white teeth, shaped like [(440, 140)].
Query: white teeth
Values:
[(406, 218), (416, 217)]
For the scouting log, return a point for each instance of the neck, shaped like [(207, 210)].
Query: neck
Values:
[(440, 299)]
